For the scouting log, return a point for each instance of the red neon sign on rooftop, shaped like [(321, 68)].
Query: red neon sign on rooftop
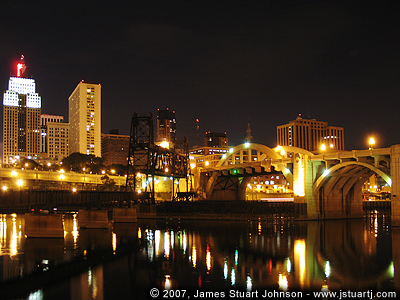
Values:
[(21, 67)]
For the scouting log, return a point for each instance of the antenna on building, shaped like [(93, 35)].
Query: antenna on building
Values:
[(197, 128), (248, 134)]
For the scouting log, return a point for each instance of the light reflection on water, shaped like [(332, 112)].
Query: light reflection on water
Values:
[(208, 255)]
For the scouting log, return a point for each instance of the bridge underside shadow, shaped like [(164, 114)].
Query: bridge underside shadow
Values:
[(338, 192), (232, 184)]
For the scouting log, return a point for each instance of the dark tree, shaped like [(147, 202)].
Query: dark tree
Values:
[(79, 162)]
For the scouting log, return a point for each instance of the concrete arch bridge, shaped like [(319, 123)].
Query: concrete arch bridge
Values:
[(330, 183)]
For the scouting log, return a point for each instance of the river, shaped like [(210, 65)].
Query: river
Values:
[(185, 258)]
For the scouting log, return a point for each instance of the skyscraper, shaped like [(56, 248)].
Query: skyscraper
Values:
[(21, 117), (310, 134), (44, 119), (166, 127), (85, 119)]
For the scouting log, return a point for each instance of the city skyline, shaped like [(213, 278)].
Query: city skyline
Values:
[(227, 65)]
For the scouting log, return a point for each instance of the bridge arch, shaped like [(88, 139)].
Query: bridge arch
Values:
[(344, 176), (252, 155), (245, 155), (263, 152)]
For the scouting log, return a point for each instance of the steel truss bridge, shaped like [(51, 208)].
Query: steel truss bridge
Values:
[(150, 160)]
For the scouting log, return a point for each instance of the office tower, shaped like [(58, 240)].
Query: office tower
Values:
[(85, 119), (310, 134), (57, 140), (114, 148), (21, 117), (44, 119), (214, 139), (166, 127)]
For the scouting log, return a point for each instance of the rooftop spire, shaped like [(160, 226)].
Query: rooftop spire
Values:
[(248, 134)]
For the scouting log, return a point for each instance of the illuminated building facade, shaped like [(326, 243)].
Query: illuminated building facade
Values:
[(85, 119), (166, 127), (57, 140), (44, 119), (310, 134), (114, 148), (207, 157), (21, 117)]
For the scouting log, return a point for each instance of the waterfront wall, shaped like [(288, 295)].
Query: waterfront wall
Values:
[(25, 201)]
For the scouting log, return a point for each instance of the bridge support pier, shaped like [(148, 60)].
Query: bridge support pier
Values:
[(339, 206), (395, 175)]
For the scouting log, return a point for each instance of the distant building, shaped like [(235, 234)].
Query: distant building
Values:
[(44, 119), (207, 157), (85, 119), (21, 117), (57, 140), (214, 139), (166, 127), (114, 148), (310, 134)]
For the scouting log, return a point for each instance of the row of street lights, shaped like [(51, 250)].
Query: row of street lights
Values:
[(371, 143)]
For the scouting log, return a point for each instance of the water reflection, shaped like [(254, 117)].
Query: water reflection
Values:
[(264, 254)]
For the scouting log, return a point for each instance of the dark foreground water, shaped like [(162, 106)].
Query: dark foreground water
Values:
[(180, 259)]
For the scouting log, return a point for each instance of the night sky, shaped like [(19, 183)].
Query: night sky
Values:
[(227, 63)]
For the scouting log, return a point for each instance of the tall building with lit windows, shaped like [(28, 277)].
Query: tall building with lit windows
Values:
[(44, 119), (21, 117), (166, 126), (85, 119), (310, 134)]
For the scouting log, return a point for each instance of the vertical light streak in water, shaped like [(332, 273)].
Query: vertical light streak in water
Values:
[(184, 242), (139, 233), (14, 237), (391, 269), (150, 245), (327, 269), (92, 283), (167, 284), (75, 232), (114, 242), (172, 239), (283, 282), (3, 232), (166, 244), (236, 257), (194, 256), (208, 258), (249, 284), (300, 259), (157, 241), (233, 277), (225, 270), (288, 265)]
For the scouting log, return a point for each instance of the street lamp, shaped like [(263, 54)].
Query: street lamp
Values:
[(323, 147), (371, 143)]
